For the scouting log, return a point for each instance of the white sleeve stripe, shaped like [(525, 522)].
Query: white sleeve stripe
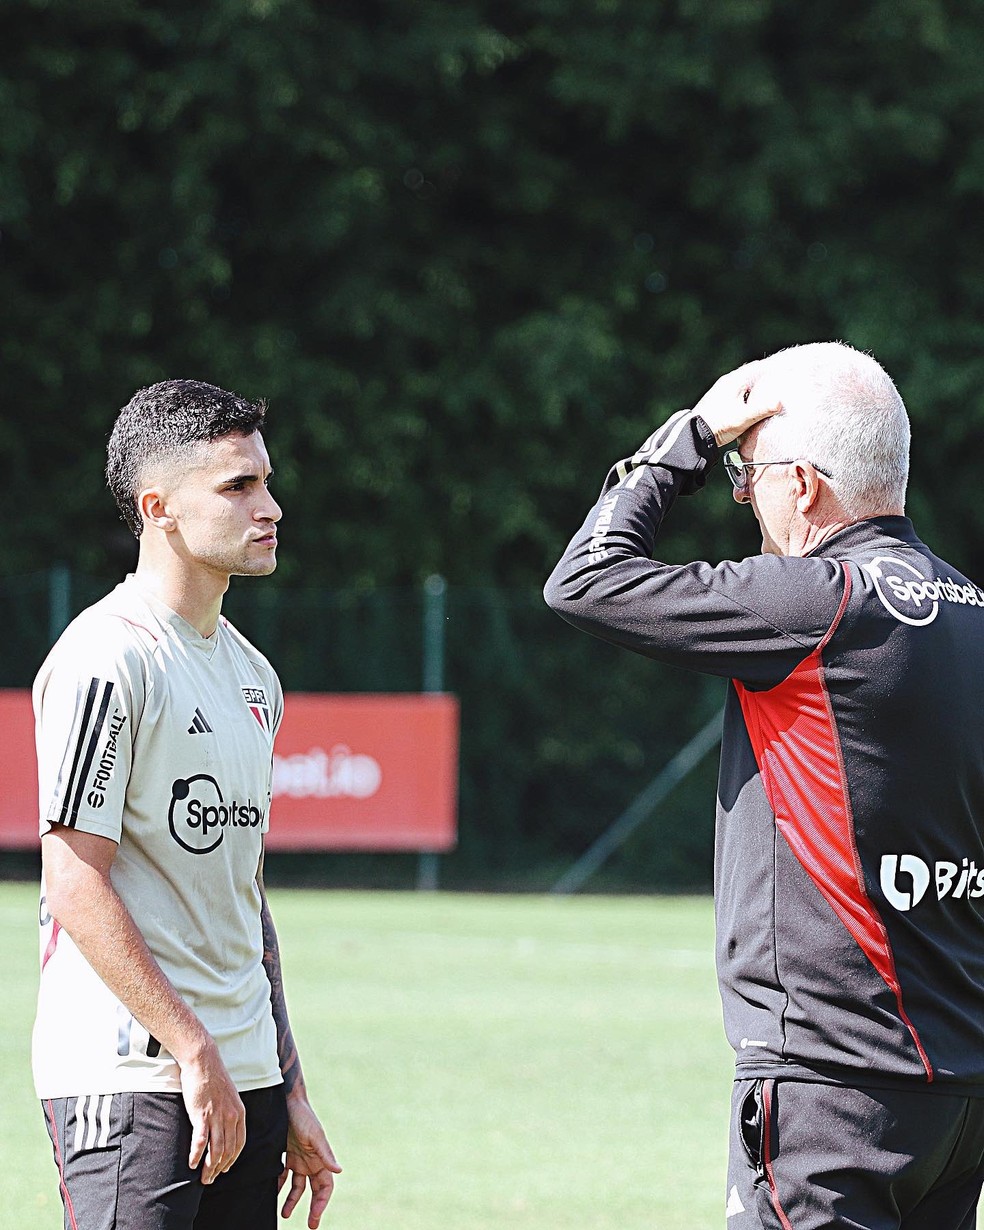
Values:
[(662, 440), (657, 446)]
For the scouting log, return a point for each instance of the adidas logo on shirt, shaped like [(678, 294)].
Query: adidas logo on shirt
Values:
[(199, 724)]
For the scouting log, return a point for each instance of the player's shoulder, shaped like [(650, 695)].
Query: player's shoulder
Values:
[(120, 629)]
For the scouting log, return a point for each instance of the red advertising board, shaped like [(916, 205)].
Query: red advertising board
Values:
[(19, 792), (366, 773), (351, 772)]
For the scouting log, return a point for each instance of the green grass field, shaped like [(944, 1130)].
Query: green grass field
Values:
[(478, 1061)]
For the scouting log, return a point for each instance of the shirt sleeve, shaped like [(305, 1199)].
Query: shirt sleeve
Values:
[(276, 718), (87, 702), (754, 620), (277, 693)]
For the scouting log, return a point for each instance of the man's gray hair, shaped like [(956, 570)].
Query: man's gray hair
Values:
[(842, 412)]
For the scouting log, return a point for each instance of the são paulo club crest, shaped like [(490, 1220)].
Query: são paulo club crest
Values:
[(256, 702)]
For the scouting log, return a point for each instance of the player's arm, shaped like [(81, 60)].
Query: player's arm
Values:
[(80, 897), (88, 699), (749, 620), (309, 1155)]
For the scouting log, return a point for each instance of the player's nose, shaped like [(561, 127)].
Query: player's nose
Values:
[(270, 510)]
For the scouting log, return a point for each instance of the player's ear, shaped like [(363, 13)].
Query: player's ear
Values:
[(154, 509)]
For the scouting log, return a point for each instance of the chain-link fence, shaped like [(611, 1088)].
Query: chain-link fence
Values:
[(559, 732)]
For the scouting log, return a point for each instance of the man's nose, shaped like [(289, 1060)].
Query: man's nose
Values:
[(270, 510)]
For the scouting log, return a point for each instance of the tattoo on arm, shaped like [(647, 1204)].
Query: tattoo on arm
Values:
[(290, 1064)]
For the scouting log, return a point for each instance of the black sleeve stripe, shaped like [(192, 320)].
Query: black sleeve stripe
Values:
[(70, 812), (89, 702), (90, 752)]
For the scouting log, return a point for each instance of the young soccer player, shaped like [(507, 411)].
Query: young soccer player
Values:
[(162, 1051)]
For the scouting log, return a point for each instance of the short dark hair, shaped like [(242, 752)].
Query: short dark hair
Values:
[(161, 420)]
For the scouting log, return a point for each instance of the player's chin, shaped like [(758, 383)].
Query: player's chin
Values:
[(260, 566)]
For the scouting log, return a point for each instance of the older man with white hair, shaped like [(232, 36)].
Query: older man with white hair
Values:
[(849, 866)]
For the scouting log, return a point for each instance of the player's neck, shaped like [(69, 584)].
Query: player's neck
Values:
[(193, 593)]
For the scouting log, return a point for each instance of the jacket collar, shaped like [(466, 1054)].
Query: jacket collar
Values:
[(874, 531)]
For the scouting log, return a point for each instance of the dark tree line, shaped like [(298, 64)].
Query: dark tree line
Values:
[(471, 253)]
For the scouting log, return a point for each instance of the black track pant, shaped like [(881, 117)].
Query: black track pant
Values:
[(808, 1156), (122, 1163)]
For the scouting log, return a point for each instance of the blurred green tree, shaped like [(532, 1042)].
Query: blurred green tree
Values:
[(471, 254)]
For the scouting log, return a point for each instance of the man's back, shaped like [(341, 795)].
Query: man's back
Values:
[(863, 766)]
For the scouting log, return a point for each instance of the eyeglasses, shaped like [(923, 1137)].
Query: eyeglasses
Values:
[(737, 468)]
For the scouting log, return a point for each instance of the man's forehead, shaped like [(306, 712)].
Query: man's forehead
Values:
[(236, 452), (211, 461), (747, 441)]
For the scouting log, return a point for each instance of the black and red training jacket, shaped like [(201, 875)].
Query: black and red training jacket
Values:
[(849, 850)]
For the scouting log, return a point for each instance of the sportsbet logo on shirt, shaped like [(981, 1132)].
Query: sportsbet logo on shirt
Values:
[(910, 597), (199, 814)]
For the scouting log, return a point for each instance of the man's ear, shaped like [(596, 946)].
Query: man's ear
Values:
[(154, 510), (807, 486)]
